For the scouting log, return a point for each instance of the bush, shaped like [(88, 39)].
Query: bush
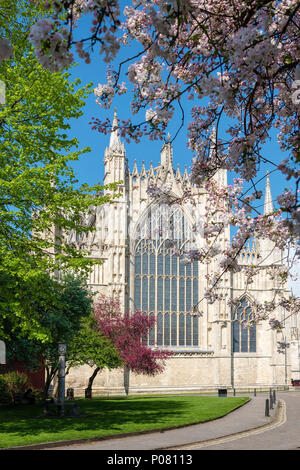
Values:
[(5, 396), (17, 382)]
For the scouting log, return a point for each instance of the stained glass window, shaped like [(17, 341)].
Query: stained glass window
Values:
[(167, 329), (145, 263), (159, 329), (174, 294), (243, 328), (160, 291), (167, 294), (152, 297), (152, 333), (167, 265), (188, 319), (181, 295), (195, 330), (137, 293), (174, 329), (181, 330), (145, 294), (137, 263), (163, 285)]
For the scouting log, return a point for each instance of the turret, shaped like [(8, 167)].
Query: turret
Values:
[(166, 157), (269, 255), (114, 160), (268, 204)]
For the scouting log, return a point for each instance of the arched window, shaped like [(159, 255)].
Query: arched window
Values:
[(244, 328), (163, 285)]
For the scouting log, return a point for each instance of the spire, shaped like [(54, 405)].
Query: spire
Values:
[(151, 171), (135, 172), (143, 171), (268, 204), (166, 156), (186, 175), (115, 162), (115, 142)]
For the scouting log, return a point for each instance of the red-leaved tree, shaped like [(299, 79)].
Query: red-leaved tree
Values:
[(127, 333)]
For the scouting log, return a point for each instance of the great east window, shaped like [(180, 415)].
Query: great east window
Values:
[(165, 287)]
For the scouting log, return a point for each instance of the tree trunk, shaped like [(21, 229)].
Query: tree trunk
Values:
[(55, 386), (49, 376), (91, 380)]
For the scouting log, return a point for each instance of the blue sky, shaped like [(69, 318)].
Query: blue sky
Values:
[(89, 169)]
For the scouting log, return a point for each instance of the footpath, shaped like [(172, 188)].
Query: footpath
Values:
[(248, 418)]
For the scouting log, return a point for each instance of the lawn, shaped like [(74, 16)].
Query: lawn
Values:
[(23, 424)]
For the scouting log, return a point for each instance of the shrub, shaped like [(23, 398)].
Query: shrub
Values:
[(17, 382)]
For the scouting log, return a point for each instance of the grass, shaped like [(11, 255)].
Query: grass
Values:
[(23, 425)]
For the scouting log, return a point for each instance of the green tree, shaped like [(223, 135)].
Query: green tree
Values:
[(40, 198), (61, 308), (90, 347)]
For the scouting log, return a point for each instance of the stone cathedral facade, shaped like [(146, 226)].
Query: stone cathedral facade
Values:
[(132, 239)]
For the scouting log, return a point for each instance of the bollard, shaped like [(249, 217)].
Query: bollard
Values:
[(255, 392), (274, 396), (267, 410), (271, 399)]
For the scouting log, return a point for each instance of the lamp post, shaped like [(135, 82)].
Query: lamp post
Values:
[(286, 345), (285, 362), (62, 349), (283, 346)]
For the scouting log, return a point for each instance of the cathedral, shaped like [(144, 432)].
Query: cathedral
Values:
[(134, 238)]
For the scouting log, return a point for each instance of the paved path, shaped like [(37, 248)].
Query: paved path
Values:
[(278, 432), (283, 435)]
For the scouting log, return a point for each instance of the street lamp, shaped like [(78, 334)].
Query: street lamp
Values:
[(62, 349), (286, 345), (282, 348)]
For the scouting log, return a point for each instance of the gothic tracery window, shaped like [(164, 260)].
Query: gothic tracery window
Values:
[(244, 337), (164, 286)]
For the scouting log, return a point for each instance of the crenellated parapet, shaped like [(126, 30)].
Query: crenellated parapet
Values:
[(250, 254)]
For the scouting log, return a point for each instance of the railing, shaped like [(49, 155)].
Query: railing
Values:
[(278, 388)]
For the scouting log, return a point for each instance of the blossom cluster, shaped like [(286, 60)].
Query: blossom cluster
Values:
[(51, 45), (127, 332)]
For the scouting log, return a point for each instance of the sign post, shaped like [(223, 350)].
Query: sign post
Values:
[(62, 349)]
